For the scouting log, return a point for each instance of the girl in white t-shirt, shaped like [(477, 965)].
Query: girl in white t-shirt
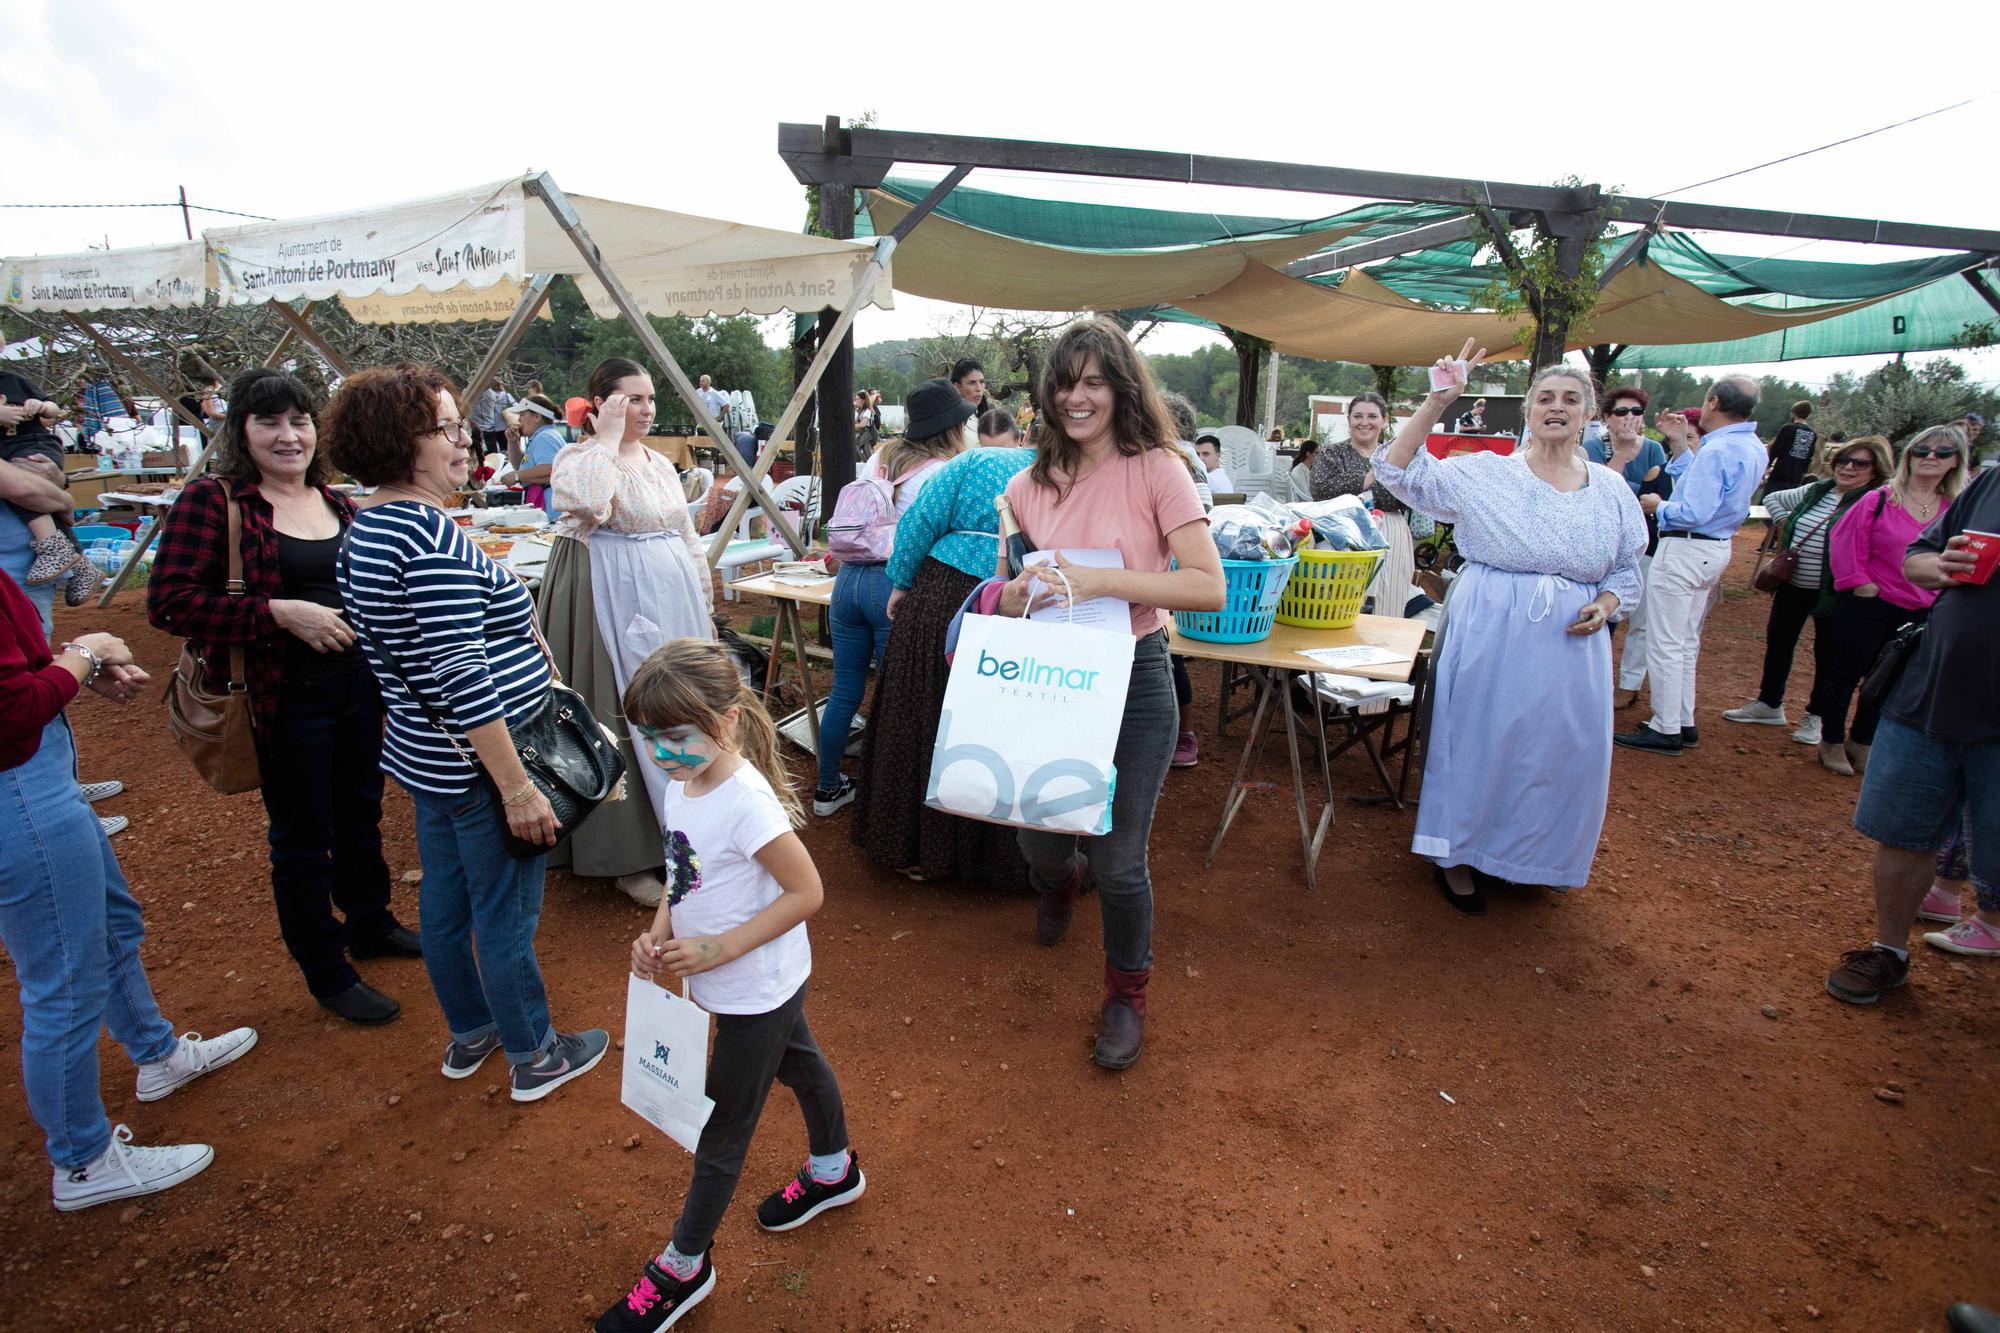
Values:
[(732, 923)]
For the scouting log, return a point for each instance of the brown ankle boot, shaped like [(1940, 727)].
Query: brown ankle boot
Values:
[(1122, 1027), (1054, 908)]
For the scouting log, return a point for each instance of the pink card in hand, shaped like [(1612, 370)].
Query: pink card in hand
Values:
[(1450, 375)]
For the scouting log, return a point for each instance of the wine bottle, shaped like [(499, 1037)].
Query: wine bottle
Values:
[(1010, 536)]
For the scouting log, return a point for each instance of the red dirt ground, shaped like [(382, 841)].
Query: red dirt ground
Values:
[(1634, 1141)]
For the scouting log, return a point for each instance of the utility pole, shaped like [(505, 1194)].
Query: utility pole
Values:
[(836, 385), (187, 222), (1271, 392)]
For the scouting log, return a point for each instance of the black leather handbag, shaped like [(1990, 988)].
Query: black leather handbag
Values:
[(1890, 664), (565, 751)]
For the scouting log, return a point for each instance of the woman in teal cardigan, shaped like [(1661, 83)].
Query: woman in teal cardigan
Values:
[(1806, 515), (947, 543)]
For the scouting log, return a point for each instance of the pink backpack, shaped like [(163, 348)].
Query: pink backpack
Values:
[(862, 530)]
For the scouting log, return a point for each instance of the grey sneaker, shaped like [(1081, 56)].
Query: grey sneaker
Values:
[(1808, 732), (572, 1054), (1757, 712), (464, 1061)]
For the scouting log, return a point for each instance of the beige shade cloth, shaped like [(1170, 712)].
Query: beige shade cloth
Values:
[(461, 305), (949, 261), (1363, 321), (400, 257)]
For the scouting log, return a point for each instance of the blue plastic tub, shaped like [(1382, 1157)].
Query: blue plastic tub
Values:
[(1251, 589)]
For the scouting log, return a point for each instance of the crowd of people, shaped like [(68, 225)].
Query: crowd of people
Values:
[(375, 637)]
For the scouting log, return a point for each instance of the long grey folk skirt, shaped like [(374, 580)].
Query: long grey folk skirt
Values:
[(605, 605)]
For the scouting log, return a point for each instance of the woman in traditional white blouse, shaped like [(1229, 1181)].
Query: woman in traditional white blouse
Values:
[(627, 574)]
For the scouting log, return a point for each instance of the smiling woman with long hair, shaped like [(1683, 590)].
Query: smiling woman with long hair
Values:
[(315, 710), (1517, 768), (1107, 473)]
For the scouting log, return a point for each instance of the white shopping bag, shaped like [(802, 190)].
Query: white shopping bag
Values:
[(1030, 725), (666, 1061)]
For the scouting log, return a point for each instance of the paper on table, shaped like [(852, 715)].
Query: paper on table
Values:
[(1106, 613), (1356, 655)]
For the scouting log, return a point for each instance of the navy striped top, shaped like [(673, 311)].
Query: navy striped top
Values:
[(459, 624)]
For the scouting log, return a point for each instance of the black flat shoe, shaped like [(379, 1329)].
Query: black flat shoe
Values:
[(1472, 904), (362, 1003), (402, 942)]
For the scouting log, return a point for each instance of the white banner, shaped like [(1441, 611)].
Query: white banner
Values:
[(471, 238), (142, 278), (799, 283)]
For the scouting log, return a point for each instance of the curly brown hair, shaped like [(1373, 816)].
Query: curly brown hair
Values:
[(1139, 416), (371, 427)]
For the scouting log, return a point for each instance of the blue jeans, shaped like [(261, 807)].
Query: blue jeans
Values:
[(474, 892), (1917, 790), (73, 931), (1146, 739), (860, 616)]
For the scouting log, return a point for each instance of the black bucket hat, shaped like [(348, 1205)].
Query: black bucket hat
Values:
[(934, 407)]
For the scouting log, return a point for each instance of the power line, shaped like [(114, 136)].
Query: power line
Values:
[(199, 208), (1852, 138)]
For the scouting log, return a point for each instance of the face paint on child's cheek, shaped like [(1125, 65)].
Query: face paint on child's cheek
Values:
[(668, 751)]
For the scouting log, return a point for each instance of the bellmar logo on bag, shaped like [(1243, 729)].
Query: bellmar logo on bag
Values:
[(1034, 673), (1086, 786)]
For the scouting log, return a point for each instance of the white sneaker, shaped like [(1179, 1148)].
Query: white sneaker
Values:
[(113, 825), (643, 888), (124, 1171), (1808, 732), (1758, 712), (192, 1058), (98, 791)]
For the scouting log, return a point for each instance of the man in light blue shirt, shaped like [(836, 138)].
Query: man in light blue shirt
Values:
[(1710, 502), (714, 400)]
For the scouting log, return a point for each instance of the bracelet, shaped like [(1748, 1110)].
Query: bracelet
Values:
[(96, 662), (520, 797)]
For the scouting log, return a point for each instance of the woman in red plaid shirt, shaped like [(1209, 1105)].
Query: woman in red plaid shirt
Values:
[(314, 704)]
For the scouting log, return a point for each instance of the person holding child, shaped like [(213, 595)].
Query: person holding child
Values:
[(732, 928), (1107, 473), (25, 421)]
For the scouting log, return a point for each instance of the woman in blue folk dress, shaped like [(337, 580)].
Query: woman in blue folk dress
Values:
[(1518, 766)]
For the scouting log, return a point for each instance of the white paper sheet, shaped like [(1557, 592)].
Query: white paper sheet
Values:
[(1357, 655), (1105, 613)]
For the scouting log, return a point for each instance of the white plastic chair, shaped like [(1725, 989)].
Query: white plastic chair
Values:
[(697, 485)]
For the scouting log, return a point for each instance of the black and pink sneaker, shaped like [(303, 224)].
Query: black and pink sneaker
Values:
[(803, 1198), (658, 1299)]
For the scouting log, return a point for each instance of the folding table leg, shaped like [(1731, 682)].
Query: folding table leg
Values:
[(777, 647), (1251, 744), (1309, 837), (805, 674)]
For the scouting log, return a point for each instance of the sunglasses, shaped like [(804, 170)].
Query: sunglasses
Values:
[(1854, 462), (1925, 451), (1627, 412)]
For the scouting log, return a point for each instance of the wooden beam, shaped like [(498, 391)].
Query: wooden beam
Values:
[(865, 156), (1634, 249), (870, 152), (285, 339), (545, 188), (303, 327), (510, 335), (1984, 288), (131, 368), (1387, 247)]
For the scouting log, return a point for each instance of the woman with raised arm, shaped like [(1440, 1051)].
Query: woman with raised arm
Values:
[(1518, 765), (627, 574)]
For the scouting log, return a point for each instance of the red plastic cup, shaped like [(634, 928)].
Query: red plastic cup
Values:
[(1985, 547)]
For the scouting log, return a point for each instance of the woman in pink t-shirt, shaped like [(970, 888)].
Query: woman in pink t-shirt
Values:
[(1106, 475), (1871, 598)]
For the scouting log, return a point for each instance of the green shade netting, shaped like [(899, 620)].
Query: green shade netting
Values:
[(1932, 318), (1117, 228), (1740, 275)]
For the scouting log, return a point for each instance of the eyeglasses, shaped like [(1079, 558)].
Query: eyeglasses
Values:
[(1628, 412), (1925, 451), (1854, 462), (456, 431)]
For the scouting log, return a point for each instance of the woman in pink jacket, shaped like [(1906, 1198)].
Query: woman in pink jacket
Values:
[(1872, 599)]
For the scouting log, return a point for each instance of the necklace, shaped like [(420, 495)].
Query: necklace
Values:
[(420, 496), (1926, 511)]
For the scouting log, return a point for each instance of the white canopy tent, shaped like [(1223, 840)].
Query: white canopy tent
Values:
[(430, 258)]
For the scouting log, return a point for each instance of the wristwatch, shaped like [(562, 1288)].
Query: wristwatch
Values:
[(96, 662)]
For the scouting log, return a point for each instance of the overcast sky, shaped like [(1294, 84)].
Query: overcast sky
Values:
[(288, 110)]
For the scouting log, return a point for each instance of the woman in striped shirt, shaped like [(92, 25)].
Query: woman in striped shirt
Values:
[(437, 617), (1805, 516)]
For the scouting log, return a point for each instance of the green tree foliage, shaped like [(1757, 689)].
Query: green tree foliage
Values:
[(1897, 400), (732, 352)]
